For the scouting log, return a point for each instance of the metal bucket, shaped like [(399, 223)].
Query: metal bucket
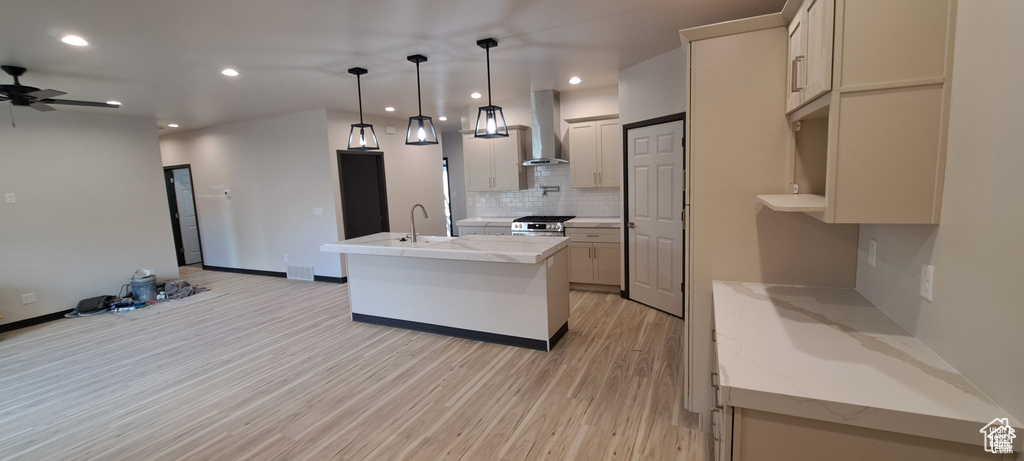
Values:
[(144, 289)]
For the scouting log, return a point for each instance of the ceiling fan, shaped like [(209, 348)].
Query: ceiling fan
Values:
[(21, 95)]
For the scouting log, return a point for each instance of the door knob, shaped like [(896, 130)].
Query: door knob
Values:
[(631, 225)]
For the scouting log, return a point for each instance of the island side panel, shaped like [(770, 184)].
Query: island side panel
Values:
[(502, 298), (558, 291)]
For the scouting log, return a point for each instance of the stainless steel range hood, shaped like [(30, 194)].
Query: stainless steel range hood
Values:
[(546, 128)]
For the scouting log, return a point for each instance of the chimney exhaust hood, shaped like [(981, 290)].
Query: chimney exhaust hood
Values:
[(546, 128)]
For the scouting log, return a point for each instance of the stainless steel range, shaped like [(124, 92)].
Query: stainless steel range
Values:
[(540, 226)]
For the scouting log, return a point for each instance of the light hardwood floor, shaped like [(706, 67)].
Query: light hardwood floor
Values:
[(275, 369)]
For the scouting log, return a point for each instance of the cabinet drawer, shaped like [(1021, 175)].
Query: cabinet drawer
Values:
[(471, 230), (583, 234)]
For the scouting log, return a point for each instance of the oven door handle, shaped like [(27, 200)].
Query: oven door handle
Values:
[(537, 234)]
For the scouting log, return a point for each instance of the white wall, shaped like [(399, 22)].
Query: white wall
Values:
[(277, 169), (412, 173), (653, 88), (91, 208), (975, 320)]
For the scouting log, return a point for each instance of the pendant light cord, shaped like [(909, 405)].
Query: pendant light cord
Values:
[(488, 50), (359, 89), (419, 94)]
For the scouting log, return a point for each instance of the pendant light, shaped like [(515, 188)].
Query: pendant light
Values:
[(421, 129), (490, 121), (362, 136)]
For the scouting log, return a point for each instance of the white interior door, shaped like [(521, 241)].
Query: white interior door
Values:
[(187, 221), (655, 220)]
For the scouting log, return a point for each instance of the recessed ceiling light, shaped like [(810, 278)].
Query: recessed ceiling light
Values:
[(230, 72), (74, 40), (172, 125), (443, 118), (389, 109), (475, 96), (114, 103), (575, 81)]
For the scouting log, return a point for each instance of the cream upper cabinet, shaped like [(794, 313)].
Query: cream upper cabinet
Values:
[(595, 152), (810, 52), (494, 164), (873, 149)]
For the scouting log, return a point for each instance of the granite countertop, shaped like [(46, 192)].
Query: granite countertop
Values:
[(612, 221), (829, 354), (492, 248)]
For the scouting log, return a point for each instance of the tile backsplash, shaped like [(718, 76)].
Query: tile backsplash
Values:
[(597, 202)]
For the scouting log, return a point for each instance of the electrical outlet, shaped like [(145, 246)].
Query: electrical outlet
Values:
[(927, 281), (28, 298), (286, 257), (872, 252)]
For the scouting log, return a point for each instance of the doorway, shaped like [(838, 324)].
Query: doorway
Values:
[(184, 222), (364, 198), (655, 212)]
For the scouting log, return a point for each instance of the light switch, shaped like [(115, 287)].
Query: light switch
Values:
[(872, 252), (9, 197), (318, 211)]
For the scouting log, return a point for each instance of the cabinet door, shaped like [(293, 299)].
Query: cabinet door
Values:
[(818, 19), (476, 155), (506, 161), (797, 62), (606, 263), (610, 139), (583, 154), (581, 266)]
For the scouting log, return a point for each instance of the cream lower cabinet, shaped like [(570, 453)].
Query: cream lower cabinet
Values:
[(595, 152), (488, 229), (495, 164), (741, 434), (594, 256)]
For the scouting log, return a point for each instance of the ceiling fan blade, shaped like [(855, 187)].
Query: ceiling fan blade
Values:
[(43, 94), (72, 102), (41, 107)]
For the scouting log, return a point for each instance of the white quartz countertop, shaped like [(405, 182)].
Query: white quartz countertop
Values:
[(828, 354), (483, 221), (594, 222), (574, 222), (492, 248)]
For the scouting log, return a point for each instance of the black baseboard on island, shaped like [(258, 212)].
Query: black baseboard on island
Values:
[(486, 337)]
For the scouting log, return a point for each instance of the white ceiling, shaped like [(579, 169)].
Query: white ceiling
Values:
[(163, 59)]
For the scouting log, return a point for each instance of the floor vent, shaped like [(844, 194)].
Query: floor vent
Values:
[(300, 273)]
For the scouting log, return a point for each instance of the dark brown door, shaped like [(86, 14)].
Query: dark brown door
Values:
[(364, 199)]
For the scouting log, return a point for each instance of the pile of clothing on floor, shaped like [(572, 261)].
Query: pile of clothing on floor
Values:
[(175, 289), (179, 289)]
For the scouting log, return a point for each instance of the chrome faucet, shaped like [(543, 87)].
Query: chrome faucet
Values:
[(412, 216)]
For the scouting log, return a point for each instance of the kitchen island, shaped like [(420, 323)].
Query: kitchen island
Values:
[(494, 288)]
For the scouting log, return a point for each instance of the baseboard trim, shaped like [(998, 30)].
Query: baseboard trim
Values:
[(324, 278), (32, 321), (507, 340), (317, 278)]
